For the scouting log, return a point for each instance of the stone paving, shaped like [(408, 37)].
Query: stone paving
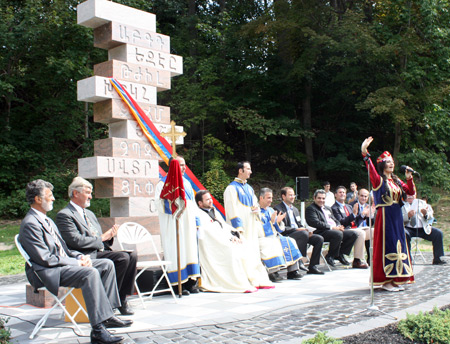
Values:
[(281, 323), (307, 319)]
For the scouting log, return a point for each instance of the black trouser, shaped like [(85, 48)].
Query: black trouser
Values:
[(302, 239), (340, 242)]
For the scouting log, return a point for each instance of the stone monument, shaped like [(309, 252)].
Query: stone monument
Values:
[(125, 166)]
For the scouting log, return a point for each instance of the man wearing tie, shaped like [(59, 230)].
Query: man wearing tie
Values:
[(294, 229), (319, 216), (82, 232), (54, 265), (347, 216)]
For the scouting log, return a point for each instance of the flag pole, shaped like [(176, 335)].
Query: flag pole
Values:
[(178, 260)]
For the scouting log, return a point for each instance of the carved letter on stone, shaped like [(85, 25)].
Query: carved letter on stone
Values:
[(125, 187), (137, 149), (111, 165), (152, 206), (136, 168), (148, 168), (137, 189), (149, 188), (124, 146)]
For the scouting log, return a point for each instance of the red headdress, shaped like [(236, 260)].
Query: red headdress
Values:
[(384, 156)]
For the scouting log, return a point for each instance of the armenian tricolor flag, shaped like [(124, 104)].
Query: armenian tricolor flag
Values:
[(158, 142)]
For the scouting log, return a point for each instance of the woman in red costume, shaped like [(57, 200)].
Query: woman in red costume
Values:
[(391, 259)]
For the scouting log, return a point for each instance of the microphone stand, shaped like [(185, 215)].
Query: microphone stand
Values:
[(371, 308)]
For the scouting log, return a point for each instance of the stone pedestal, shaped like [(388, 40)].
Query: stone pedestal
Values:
[(125, 165)]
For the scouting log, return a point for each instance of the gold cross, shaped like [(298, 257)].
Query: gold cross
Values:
[(173, 135)]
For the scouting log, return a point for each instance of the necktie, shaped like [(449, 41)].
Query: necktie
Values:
[(364, 224), (61, 251), (91, 227), (348, 214)]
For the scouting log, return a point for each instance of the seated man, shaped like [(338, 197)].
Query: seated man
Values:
[(54, 265), (294, 229), (417, 225), (81, 231), (222, 252), (321, 217), (348, 216), (277, 251)]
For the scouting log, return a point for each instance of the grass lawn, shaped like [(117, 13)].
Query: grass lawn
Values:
[(11, 262)]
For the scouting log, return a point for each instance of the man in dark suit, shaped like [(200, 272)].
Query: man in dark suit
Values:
[(294, 229), (54, 265), (81, 231), (348, 216), (321, 217)]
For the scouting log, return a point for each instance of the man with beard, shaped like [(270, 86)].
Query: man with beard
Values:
[(54, 265)]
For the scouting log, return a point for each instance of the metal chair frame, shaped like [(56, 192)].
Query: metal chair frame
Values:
[(58, 300)]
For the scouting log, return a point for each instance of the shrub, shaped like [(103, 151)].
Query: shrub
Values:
[(322, 338), (5, 332), (427, 327)]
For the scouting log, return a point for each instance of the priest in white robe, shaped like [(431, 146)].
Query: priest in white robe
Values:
[(221, 251), (277, 252), (190, 268), (242, 212)]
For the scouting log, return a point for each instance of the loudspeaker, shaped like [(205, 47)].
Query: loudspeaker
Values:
[(302, 186)]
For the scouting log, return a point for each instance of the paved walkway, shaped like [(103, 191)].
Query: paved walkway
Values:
[(293, 311)]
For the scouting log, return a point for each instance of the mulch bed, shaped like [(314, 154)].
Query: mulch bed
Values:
[(383, 335)]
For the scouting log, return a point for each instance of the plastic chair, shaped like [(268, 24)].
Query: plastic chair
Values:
[(58, 300), (131, 234)]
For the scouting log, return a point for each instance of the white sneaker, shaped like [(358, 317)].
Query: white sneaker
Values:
[(390, 287)]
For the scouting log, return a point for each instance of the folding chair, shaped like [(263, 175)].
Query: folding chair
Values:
[(129, 235), (58, 300), (325, 246), (415, 249)]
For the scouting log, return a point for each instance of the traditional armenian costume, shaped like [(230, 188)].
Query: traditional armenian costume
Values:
[(243, 215), (391, 258), (277, 251)]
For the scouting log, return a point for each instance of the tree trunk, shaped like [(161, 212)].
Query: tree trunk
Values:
[(191, 27), (397, 141), (306, 112)]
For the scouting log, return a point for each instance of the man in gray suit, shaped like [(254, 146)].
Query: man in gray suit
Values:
[(54, 265), (81, 231)]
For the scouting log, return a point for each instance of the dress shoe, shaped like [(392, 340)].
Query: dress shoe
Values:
[(439, 262), (302, 266), (116, 322), (342, 260), (275, 277), (358, 264), (125, 309), (330, 261), (100, 335), (313, 270), (191, 286), (294, 275)]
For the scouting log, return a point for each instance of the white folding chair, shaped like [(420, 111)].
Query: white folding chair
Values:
[(58, 300), (129, 235), (415, 249), (324, 246)]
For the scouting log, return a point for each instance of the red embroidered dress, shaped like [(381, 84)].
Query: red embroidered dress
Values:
[(391, 259)]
